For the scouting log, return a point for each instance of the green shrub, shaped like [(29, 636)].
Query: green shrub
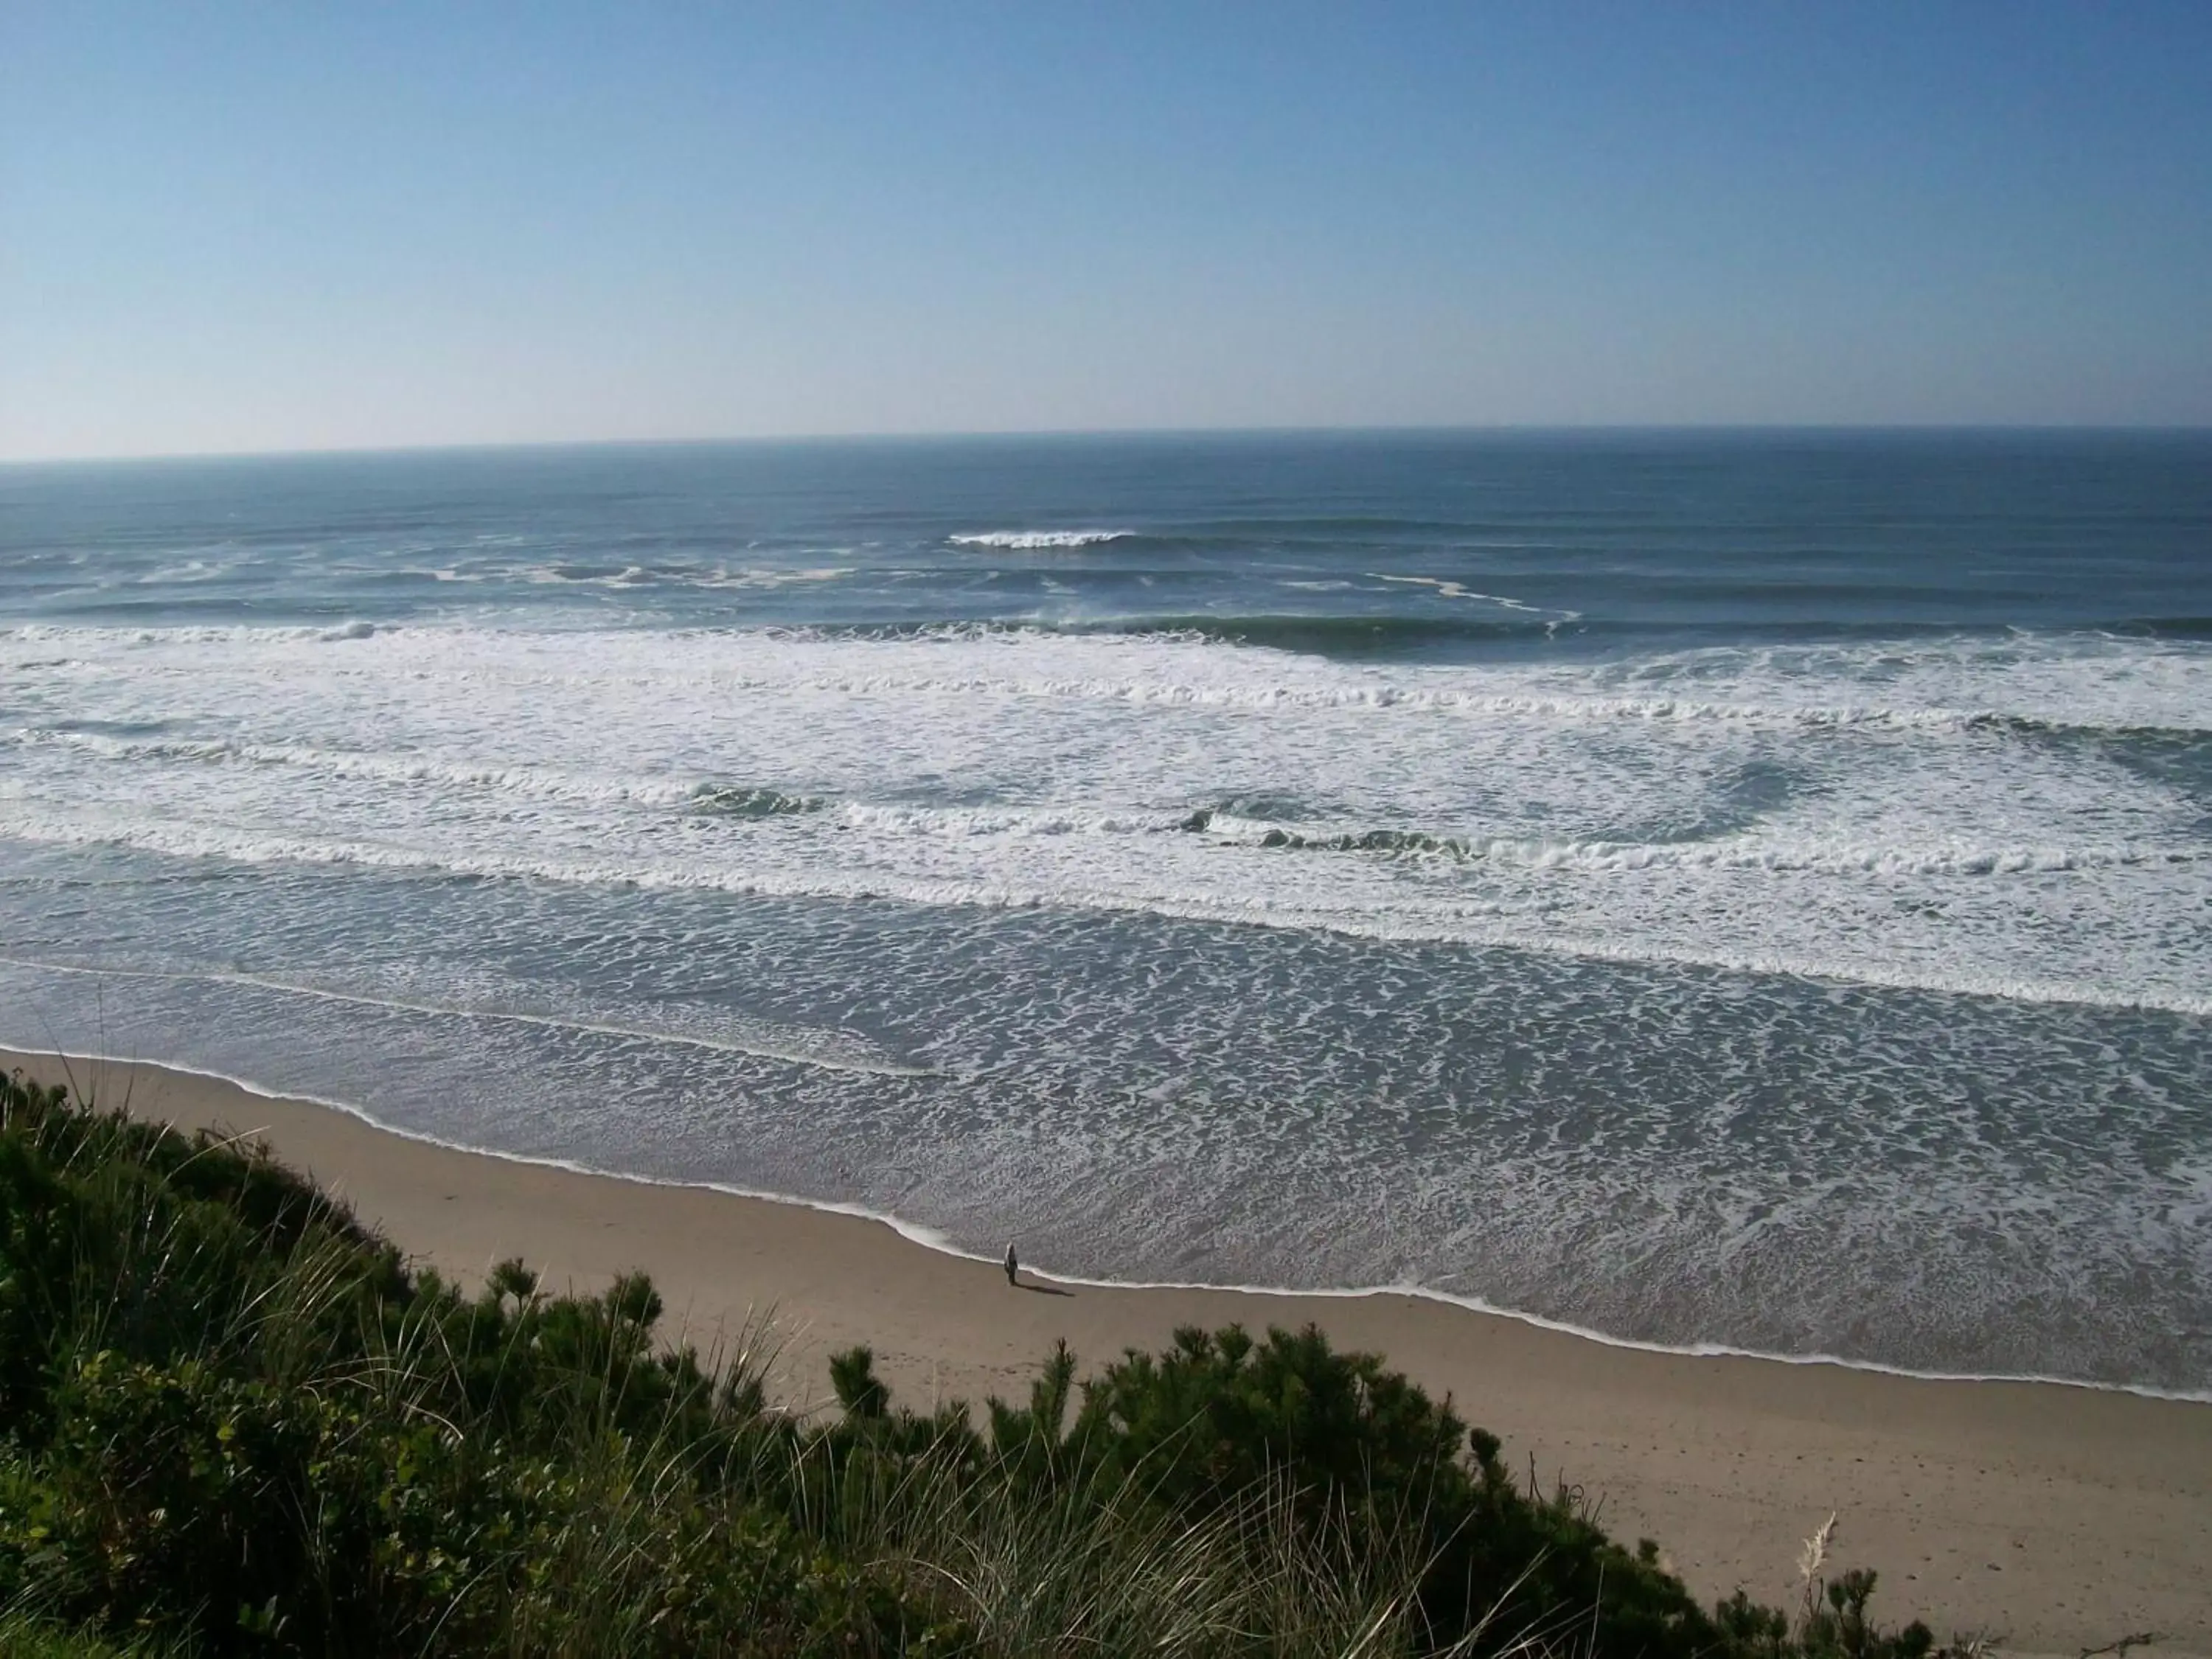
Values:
[(24, 1636), (1366, 1457)]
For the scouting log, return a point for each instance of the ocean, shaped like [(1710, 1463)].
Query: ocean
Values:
[(1716, 891)]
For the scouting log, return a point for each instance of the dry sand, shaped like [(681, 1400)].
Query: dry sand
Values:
[(2056, 1518)]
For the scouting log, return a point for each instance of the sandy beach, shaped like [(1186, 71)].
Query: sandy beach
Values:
[(2056, 1519)]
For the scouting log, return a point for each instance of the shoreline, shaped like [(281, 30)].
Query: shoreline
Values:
[(924, 1237), (2059, 1516)]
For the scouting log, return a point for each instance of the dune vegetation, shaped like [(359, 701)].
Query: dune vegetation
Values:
[(233, 1421)]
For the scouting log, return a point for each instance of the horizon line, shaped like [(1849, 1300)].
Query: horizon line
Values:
[(1001, 434)]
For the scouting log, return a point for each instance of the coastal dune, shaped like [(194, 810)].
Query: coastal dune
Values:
[(2050, 1517)]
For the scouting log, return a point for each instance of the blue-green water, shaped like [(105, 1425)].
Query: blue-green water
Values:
[(1731, 889)]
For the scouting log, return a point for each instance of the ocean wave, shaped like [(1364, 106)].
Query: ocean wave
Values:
[(1267, 822), (1191, 670), (1353, 636), (1035, 541), (2168, 627), (400, 768), (1381, 698), (1461, 922), (715, 799), (1448, 589), (741, 801), (685, 575), (1985, 814), (1240, 823), (1743, 854)]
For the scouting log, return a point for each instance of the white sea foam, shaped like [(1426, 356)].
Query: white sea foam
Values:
[(1033, 541), (1947, 815), (1306, 903), (638, 576)]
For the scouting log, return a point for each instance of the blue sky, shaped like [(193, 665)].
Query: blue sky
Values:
[(260, 227)]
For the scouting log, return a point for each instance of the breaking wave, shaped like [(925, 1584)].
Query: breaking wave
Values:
[(1035, 541), (739, 801), (1470, 923)]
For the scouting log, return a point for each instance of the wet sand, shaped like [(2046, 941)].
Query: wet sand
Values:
[(2055, 1518)]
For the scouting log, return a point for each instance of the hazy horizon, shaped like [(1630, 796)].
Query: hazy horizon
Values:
[(249, 233), (1499, 428)]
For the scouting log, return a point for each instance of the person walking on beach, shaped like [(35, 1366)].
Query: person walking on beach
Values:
[(1013, 1266)]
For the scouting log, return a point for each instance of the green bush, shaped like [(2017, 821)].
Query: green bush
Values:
[(24, 1636), (1367, 1457)]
